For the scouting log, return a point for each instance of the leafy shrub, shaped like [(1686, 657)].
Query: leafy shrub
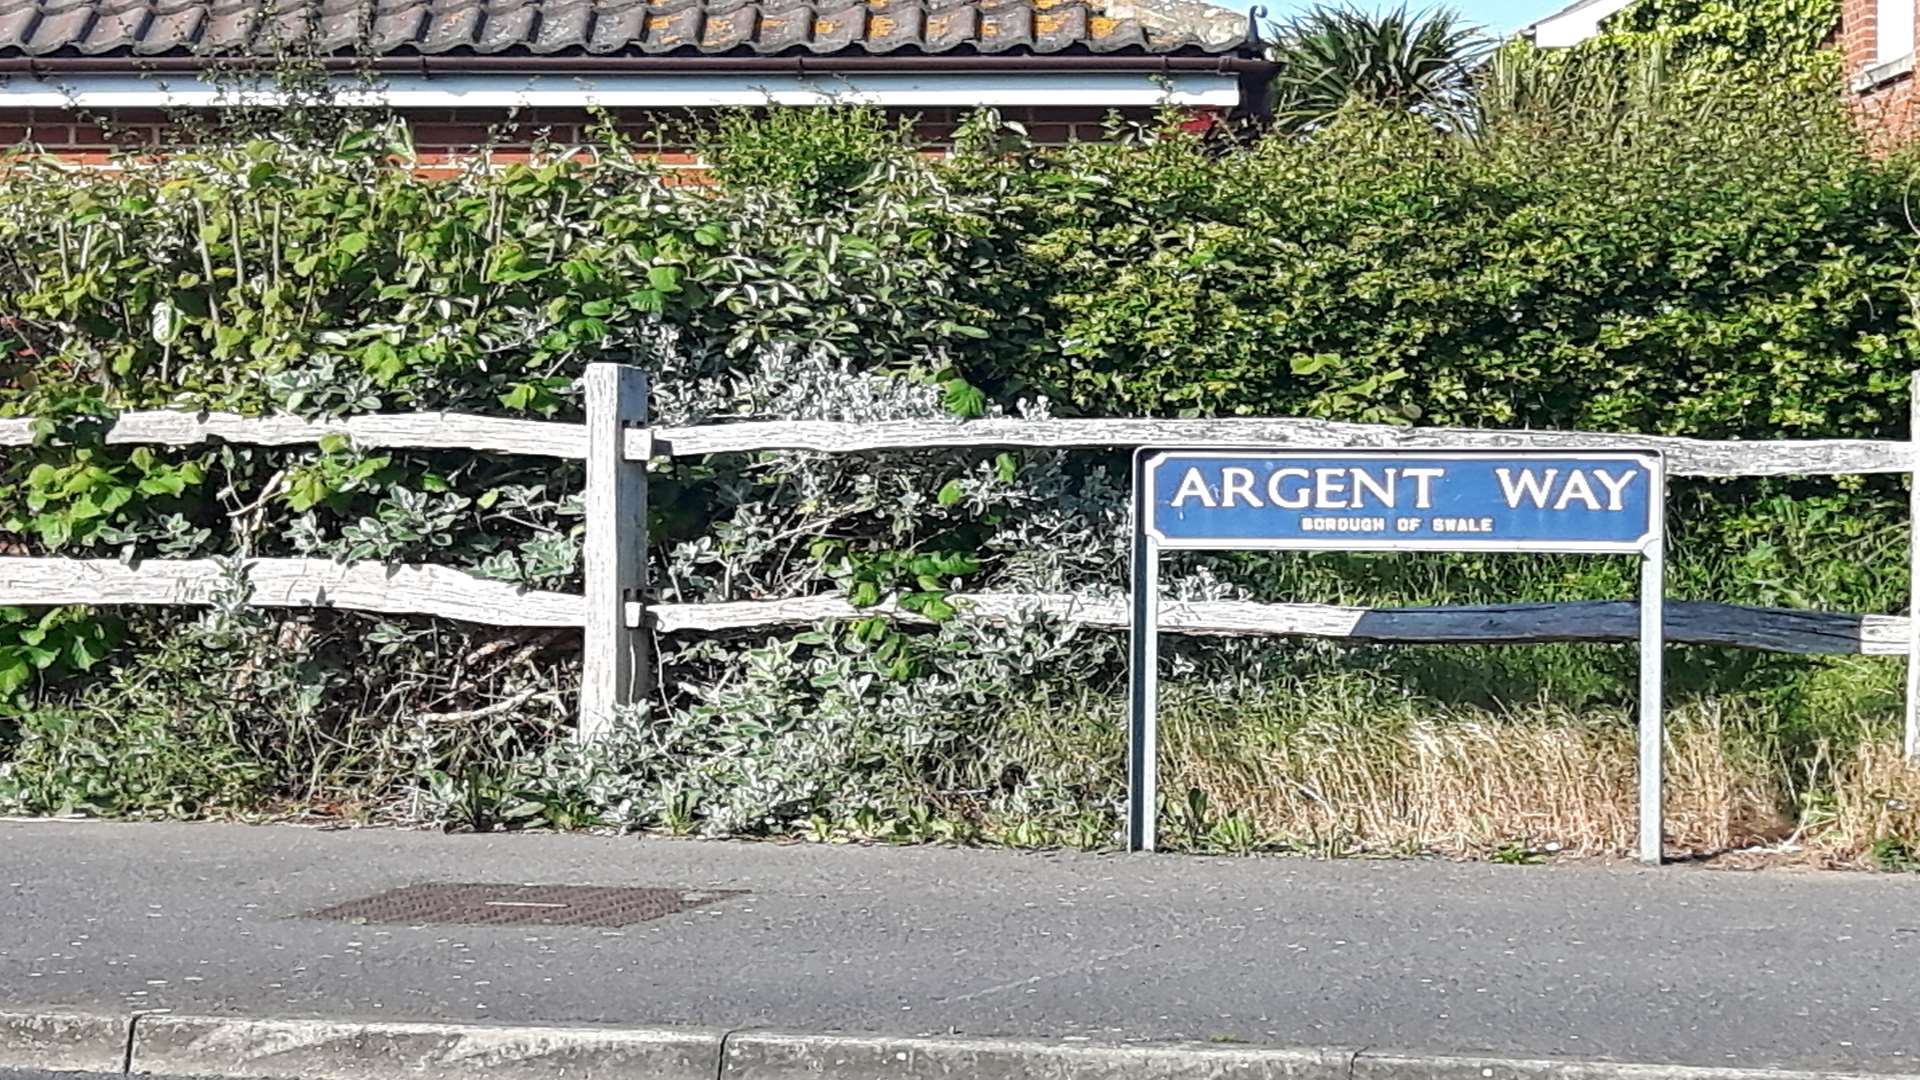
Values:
[(1739, 268), (165, 734), (812, 156), (1895, 855), (57, 640), (143, 764)]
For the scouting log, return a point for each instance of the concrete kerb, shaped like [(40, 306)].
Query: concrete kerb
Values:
[(64, 1042), (336, 1050), (343, 1050), (773, 1055), (1380, 1066)]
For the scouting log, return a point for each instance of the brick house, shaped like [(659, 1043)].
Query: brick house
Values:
[(1876, 37), (78, 77)]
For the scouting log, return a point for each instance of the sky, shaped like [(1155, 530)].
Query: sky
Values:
[(1499, 16)]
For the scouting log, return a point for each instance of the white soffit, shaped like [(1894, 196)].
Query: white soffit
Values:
[(485, 91)]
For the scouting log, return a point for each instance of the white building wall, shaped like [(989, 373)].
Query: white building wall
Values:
[(1573, 25)]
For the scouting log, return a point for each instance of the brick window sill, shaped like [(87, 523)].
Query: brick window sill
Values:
[(1881, 74)]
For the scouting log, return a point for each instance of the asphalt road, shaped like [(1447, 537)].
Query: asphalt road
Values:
[(1683, 965)]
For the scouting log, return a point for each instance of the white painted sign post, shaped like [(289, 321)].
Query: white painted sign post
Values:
[(1591, 502)]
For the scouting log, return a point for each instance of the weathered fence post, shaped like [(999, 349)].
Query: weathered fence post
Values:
[(614, 664), (1912, 742)]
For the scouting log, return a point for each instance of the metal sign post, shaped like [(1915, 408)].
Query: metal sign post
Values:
[(1573, 502)]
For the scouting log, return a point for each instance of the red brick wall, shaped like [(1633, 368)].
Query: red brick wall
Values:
[(441, 135), (1886, 105)]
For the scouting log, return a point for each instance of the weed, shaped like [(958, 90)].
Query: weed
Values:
[(1514, 853), (1895, 854), (128, 764)]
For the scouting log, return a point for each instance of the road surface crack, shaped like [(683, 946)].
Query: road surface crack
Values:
[(1043, 976)]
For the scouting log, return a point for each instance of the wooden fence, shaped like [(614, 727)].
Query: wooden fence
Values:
[(616, 442)]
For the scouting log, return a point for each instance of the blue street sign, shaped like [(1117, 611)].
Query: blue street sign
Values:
[(1588, 501), (1601, 501)]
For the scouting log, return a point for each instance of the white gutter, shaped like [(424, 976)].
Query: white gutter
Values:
[(660, 91)]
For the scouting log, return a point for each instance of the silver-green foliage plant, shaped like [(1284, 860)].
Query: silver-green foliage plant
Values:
[(829, 725), (763, 734)]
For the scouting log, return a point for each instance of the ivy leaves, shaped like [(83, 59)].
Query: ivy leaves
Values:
[(59, 638), (68, 501), (919, 582), (335, 476), (963, 399), (1754, 33), (916, 582)]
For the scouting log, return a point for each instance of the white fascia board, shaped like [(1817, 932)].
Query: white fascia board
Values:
[(1574, 25), (661, 91)]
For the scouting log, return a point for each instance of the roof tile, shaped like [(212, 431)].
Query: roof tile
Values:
[(1059, 28), (336, 28), (58, 28), (1108, 34), (895, 25), (1006, 26), (288, 26), (670, 31), (838, 30), (172, 30), (116, 30), (141, 28), (228, 28), (452, 26), (505, 27), (16, 24), (616, 26), (951, 26), (562, 27), (729, 29), (787, 28), (396, 28)]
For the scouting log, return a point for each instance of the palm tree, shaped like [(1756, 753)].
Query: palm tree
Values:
[(1421, 63)]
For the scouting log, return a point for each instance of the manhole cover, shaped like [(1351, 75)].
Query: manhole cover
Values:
[(521, 905)]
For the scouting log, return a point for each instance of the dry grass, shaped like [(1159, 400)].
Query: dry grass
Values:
[(1304, 771), (1875, 797)]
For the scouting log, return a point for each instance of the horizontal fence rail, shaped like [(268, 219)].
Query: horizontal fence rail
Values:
[(441, 591), (617, 441), (406, 431), (1687, 623), (461, 431), (282, 583), (1685, 457)]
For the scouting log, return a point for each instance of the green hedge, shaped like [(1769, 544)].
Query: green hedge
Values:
[(1735, 267), (1739, 273)]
